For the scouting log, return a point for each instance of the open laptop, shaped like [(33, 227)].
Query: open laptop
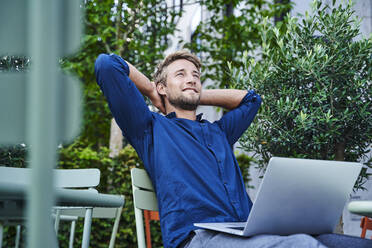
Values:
[(297, 196)]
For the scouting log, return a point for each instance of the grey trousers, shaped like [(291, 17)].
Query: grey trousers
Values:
[(211, 239)]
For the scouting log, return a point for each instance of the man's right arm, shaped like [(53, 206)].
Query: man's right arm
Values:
[(146, 87), (116, 79)]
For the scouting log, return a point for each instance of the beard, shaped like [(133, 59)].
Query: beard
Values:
[(182, 102)]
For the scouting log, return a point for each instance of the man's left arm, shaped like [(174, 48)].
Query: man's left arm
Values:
[(243, 104)]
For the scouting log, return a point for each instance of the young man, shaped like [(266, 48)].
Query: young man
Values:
[(189, 160)]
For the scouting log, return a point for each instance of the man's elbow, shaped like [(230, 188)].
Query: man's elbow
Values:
[(107, 64), (258, 100), (103, 63)]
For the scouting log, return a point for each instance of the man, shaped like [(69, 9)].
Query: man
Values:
[(189, 160)]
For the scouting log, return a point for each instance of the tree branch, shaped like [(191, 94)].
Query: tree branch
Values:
[(131, 28), (118, 20), (107, 47)]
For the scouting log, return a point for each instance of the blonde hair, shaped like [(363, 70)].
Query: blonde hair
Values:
[(160, 75)]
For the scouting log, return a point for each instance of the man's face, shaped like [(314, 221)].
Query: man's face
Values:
[(183, 85)]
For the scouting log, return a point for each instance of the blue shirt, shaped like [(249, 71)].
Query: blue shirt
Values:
[(191, 163)]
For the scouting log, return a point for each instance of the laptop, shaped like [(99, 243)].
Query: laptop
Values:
[(297, 196)]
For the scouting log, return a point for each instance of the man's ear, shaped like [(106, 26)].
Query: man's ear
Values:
[(161, 89)]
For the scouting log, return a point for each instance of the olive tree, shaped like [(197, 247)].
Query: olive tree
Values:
[(315, 80)]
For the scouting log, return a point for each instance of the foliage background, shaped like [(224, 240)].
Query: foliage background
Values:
[(292, 58)]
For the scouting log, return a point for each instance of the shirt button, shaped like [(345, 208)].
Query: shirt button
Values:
[(219, 161)]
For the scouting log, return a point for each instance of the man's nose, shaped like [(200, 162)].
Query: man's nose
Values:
[(190, 79)]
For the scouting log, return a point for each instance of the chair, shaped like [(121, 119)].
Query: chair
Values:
[(363, 208), (70, 179), (144, 198), (365, 224), (69, 183)]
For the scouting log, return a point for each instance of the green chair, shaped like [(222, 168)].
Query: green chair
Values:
[(144, 198), (74, 179)]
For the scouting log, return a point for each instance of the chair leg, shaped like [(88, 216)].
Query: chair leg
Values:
[(56, 221), (87, 227), (363, 225), (1, 235), (139, 228), (115, 228), (146, 214), (18, 236), (72, 234)]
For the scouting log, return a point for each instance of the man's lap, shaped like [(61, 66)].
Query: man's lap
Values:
[(206, 238), (341, 241)]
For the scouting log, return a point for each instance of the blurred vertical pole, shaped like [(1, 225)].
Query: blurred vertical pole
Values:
[(41, 108), (41, 120)]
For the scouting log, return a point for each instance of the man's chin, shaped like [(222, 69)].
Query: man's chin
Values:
[(185, 103), (189, 107)]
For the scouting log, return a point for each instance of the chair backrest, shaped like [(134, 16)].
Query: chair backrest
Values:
[(144, 198), (64, 178), (77, 178), (143, 191)]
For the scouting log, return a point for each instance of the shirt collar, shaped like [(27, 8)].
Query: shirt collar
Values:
[(172, 115), (199, 117)]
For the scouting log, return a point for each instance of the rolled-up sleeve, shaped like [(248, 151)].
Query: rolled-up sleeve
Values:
[(124, 99), (235, 122)]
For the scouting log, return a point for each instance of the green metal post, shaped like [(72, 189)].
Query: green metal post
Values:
[(40, 108), (41, 120)]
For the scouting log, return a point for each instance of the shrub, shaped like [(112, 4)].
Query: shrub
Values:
[(315, 81)]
